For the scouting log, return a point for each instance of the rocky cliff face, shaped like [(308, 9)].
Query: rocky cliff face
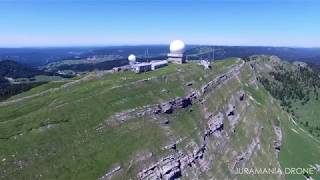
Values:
[(230, 136)]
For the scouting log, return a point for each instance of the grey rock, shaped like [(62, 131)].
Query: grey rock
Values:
[(167, 168), (164, 91), (182, 102), (278, 141), (189, 83), (215, 125), (170, 146), (109, 174), (165, 122), (241, 95), (317, 167), (232, 116), (247, 153), (177, 103), (166, 108)]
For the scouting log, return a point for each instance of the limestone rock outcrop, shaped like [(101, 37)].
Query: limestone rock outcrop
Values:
[(215, 125), (278, 140), (109, 174)]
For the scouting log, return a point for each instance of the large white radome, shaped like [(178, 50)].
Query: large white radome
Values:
[(132, 57), (177, 46)]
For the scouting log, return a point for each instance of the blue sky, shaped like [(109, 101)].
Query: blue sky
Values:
[(117, 22)]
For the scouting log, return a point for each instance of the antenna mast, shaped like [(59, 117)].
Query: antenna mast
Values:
[(146, 54), (213, 53)]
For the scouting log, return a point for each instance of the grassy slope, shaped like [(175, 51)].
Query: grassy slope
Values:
[(299, 149), (54, 136), (310, 113), (38, 78), (256, 115), (38, 89)]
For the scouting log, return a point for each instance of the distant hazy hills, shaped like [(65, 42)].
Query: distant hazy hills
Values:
[(84, 66), (311, 55), (40, 56), (15, 70)]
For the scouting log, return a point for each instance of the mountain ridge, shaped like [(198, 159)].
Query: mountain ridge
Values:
[(178, 121)]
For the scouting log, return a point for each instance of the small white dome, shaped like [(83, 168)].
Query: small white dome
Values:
[(177, 46), (132, 57)]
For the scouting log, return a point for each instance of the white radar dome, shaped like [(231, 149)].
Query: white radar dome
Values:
[(177, 46), (132, 57)]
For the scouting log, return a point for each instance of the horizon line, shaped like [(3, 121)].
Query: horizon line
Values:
[(151, 44)]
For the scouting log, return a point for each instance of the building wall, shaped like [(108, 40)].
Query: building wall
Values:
[(157, 66), (139, 69), (176, 58)]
